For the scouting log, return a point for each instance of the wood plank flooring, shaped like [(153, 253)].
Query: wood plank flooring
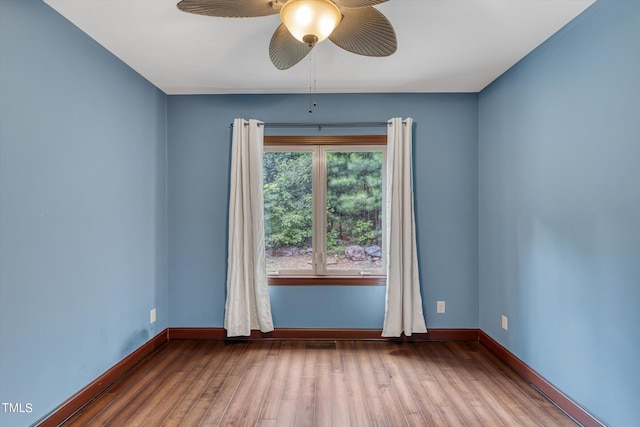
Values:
[(303, 383)]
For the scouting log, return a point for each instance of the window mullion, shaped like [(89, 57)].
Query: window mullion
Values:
[(319, 211)]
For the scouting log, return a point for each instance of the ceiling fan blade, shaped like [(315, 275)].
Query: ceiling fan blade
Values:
[(229, 8), (365, 31), (285, 50), (357, 3)]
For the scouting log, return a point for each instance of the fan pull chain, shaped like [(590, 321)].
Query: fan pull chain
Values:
[(312, 81)]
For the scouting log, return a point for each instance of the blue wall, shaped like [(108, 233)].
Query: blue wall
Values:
[(559, 156), (82, 209), (445, 194)]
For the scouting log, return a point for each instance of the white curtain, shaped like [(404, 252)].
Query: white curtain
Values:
[(247, 306), (403, 311)]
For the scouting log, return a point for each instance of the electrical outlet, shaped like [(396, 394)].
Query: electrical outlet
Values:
[(505, 323), (440, 307), (152, 316)]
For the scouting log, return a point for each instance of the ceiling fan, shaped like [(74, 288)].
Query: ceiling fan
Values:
[(353, 25)]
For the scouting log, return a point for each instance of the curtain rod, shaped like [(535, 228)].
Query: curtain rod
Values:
[(321, 124)]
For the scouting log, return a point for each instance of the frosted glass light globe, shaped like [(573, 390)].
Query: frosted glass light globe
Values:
[(310, 21)]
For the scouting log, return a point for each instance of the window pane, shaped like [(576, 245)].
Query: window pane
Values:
[(354, 210), (288, 203)]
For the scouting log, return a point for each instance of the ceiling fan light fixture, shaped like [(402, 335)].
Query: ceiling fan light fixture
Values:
[(310, 21)]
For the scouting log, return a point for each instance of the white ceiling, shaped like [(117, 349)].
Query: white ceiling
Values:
[(443, 46)]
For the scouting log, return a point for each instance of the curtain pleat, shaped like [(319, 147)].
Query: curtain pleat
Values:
[(247, 306), (403, 311)]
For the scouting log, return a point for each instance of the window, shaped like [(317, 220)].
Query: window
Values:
[(323, 209)]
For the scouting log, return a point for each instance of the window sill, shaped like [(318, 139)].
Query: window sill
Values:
[(327, 280)]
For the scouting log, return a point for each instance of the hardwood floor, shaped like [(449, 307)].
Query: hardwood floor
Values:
[(320, 383)]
